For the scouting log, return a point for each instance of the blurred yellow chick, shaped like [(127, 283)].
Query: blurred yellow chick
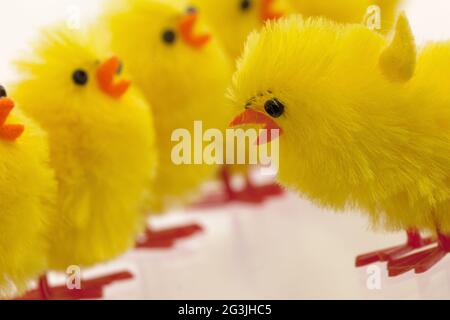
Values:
[(233, 20), (183, 72), (101, 144), (360, 126), (352, 11), (27, 189)]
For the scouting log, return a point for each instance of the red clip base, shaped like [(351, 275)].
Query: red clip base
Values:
[(251, 194), (91, 289), (421, 261), (167, 238), (414, 242)]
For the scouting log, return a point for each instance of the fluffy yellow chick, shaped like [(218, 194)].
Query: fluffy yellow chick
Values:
[(101, 145), (358, 130), (183, 73), (27, 188), (351, 11), (233, 20)]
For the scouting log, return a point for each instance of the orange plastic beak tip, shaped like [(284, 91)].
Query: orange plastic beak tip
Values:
[(240, 119), (105, 77), (267, 12), (186, 28), (11, 132), (202, 40), (107, 71), (6, 106), (250, 116), (273, 16), (119, 89), (8, 132), (188, 21)]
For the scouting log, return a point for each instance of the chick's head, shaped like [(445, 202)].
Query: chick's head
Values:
[(182, 70), (75, 79), (167, 47), (74, 87), (233, 20)]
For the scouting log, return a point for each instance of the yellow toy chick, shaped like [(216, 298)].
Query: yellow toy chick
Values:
[(183, 73), (362, 124), (382, 13), (27, 189), (101, 148), (233, 20)]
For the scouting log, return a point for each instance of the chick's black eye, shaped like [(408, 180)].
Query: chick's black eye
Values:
[(191, 9), (80, 77), (3, 93), (245, 5), (169, 36), (274, 108)]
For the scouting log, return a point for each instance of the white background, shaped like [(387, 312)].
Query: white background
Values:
[(286, 249)]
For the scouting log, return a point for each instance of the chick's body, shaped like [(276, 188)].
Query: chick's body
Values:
[(101, 147), (182, 74), (27, 190), (351, 136)]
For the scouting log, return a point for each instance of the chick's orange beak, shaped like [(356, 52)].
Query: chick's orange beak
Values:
[(267, 11), (9, 132), (252, 117), (186, 29), (105, 77)]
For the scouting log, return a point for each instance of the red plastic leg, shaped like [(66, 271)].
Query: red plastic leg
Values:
[(44, 288), (428, 262), (90, 289), (251, 193), (264, 191), (167, 238), (415, 241), (229, 194), (226, 180), (402, 265), (421, 261)]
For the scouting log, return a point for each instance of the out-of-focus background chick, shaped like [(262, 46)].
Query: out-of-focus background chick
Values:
[(183, 74)]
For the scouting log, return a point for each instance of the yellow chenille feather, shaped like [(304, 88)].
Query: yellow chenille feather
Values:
[(102, 146), (184, 82), (353, 137), (27, 189), (350, 11)]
